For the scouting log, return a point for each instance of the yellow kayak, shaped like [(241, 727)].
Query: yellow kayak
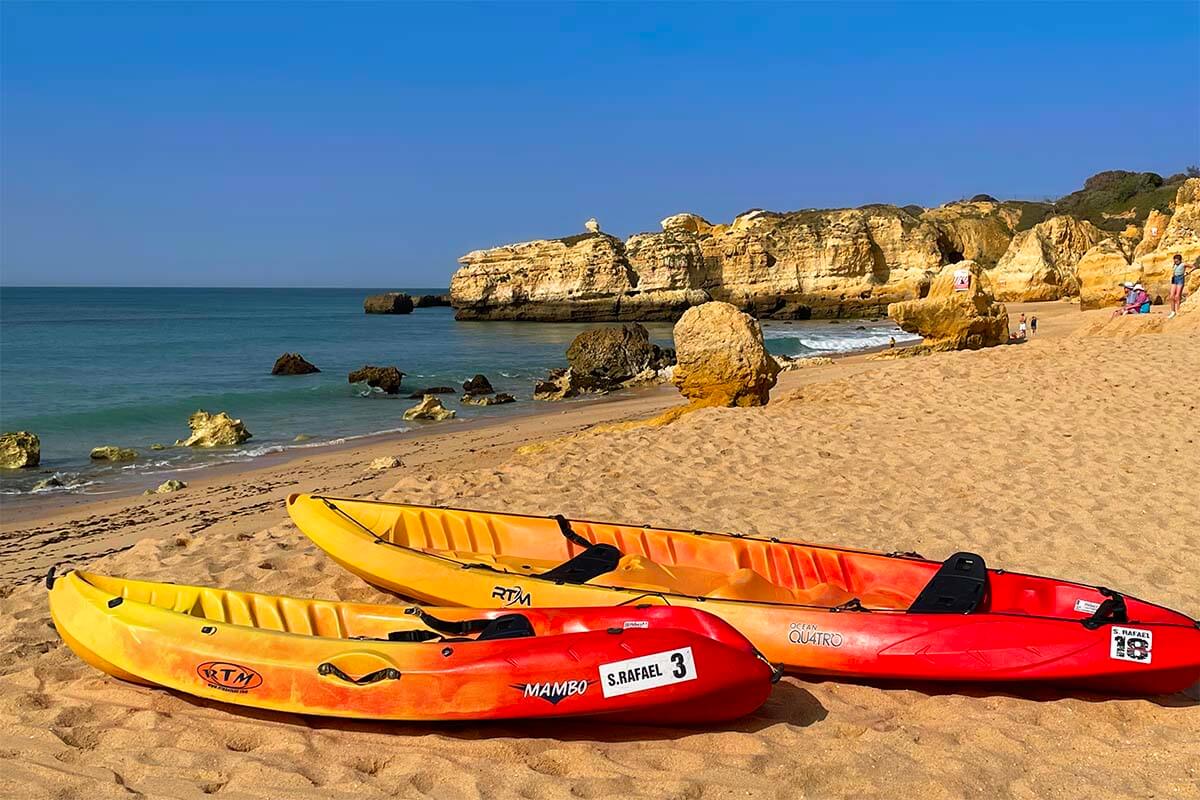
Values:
[(658, 665)]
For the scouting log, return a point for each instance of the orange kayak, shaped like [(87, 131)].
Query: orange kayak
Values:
[(656, 665), (818, 610)]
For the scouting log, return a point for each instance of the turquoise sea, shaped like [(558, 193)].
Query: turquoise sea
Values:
[(83, 367)]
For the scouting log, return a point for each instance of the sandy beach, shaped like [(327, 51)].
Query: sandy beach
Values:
[(1072, 457)]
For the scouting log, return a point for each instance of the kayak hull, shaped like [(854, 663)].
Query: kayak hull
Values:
[(1029, 630), (662, 665)]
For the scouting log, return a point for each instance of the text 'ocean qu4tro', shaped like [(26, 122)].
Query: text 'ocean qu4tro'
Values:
[(656, 665), (818, 610)]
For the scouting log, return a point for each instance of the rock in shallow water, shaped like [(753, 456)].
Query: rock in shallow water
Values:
[(431, 300), (562, 384), (487, 399), (430, 408), (53, 482), (113, 453), (388, 303), (478, 385), (293, 364), (214, 430), (385, 378), (721, 359), (615, 353), (20, 449)]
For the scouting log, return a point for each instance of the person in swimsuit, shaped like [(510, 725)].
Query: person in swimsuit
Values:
[(1179, 273)]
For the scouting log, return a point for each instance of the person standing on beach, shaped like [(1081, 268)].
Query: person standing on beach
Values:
[(1033, 326), (1021, 328), (1179, 273)]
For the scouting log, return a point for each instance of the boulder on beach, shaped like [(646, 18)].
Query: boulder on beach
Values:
[(613, 353), (789, 363), (166, 487), (431, 300), (419, 393), (382, 463), (562, 384), (293, 364), (385, 378), (214, 430), (721, 359), (478, 385), (487, 399), (113, 453), (959, 313), (19, 449), (388, 303), (430, 408)]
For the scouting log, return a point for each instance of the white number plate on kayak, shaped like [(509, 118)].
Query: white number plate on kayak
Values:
[(647, 672), (1130, 644)]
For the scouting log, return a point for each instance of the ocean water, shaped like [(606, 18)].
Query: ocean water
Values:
[(84, 367)]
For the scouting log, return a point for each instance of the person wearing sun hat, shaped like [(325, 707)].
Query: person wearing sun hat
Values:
[(1128, 306), (1141, 300)]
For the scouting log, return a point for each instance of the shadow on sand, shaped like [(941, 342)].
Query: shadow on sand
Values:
[(1041, 694), (789, 704)]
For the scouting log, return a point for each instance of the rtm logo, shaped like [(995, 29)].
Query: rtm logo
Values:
[(512, 596), (229, 677), (553, 692)]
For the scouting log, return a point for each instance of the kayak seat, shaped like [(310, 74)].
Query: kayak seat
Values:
[(589, 563), (509, 626), (957, 587)]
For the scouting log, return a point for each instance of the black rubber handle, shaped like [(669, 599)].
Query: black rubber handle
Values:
[(385, 674)]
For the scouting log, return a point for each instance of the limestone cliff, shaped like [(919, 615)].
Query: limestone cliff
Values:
[(792, 265), (1181, 235), (1101, 272), (1040, 262)]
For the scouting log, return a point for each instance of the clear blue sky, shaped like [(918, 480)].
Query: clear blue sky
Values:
[(371, 145)]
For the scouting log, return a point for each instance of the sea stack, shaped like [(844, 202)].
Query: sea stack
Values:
[(388, 303)]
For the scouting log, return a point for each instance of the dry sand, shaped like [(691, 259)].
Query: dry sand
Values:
[(1018, 453)]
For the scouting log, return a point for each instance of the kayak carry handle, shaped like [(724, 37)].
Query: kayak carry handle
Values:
[(385, 674)]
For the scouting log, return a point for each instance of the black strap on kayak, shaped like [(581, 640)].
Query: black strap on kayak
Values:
[(413, 636), (506, 626), (459, 628), (564, 527), (957, 588), (1112, 609)]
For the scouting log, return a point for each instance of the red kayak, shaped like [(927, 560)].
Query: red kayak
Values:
[(817, 610)]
